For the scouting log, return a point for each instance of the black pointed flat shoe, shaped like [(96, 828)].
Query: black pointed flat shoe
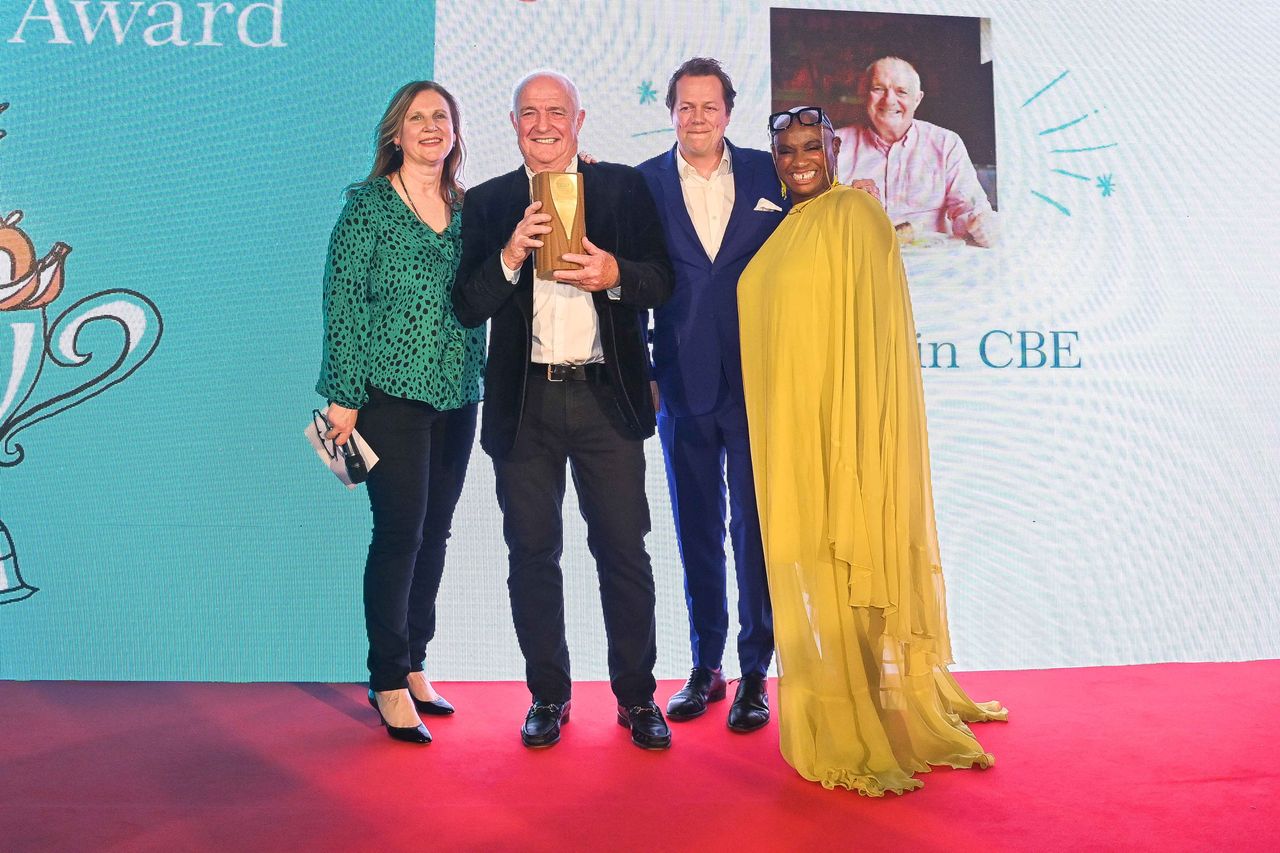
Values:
[(407, 734), (437, 707)]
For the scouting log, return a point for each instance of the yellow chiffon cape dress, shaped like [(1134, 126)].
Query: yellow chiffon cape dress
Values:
[(835, 408)]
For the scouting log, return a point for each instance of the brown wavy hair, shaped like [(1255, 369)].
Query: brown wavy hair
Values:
[(387, 158), (701, 66)]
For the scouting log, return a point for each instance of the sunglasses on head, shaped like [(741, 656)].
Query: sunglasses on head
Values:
[(805, 116)]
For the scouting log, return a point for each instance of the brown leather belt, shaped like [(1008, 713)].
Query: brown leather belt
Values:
[(596, 373)]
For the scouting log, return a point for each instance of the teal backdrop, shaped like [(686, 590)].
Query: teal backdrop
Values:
[(177, 525)]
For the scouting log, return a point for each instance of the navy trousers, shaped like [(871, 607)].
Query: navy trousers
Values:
[(708, 474)]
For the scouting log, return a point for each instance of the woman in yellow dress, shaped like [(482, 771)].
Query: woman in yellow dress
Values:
[(835, 406)]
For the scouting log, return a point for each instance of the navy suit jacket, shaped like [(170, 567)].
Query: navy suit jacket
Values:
[(695, 333)]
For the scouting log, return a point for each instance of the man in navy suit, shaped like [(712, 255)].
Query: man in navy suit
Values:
[(718, 204)]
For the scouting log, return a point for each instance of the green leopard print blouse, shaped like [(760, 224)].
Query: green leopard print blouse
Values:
[(388, 320)]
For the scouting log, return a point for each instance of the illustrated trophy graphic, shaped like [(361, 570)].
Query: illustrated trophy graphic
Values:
[(31, 344)]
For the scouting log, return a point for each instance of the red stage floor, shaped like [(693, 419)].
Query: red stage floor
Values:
[(1169, 757)]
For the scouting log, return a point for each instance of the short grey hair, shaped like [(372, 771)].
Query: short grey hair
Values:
[(870, 69), (554, 75)]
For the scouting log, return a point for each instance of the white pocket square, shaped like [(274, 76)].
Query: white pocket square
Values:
[(765, 204)]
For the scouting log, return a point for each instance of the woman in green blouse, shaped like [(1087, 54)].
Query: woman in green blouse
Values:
[(397, 361)]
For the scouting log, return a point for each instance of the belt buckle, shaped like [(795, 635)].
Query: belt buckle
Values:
[(551, 377)]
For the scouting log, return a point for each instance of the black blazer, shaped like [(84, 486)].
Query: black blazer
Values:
[(620, 218)]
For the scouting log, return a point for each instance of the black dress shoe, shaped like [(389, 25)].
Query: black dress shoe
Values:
[(704, 685), (648, 729), (542, 724), (750, 708), (408, 734), (437, 707)]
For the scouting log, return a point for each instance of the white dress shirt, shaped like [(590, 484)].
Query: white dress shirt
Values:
[(566, 329), (708, 200)]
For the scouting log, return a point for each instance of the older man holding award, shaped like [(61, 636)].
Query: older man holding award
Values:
[(566, 257)]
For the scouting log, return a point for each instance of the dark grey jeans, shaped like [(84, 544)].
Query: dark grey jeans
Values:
[(413, 490), (578, 424)]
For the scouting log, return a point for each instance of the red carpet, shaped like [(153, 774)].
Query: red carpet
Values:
[(1170, 757)]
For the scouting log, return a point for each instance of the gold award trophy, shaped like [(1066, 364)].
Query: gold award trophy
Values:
[(561, 196)]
